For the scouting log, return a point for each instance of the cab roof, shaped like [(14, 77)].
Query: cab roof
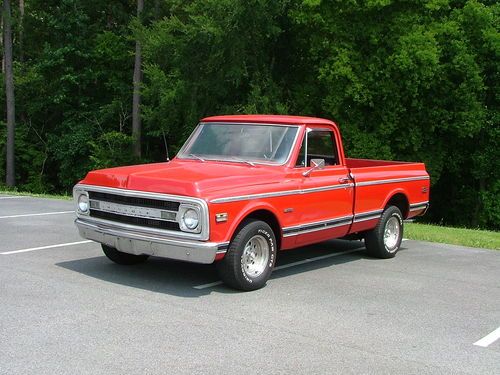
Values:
[(269, 119)]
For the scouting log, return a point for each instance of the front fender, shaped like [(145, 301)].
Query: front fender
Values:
[(237, 212)]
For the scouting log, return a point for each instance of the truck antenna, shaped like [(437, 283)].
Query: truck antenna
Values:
[(166, 146)]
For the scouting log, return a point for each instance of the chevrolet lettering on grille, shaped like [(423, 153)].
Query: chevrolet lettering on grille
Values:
[(136, 211)]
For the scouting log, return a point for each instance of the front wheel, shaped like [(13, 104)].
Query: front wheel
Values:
[(250, 259), (123, 258), (384, 241)]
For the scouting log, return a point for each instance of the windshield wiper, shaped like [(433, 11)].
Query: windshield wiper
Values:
[(197, 157), (235, 158)]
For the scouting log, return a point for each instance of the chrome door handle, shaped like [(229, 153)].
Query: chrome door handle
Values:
[(344, 180)]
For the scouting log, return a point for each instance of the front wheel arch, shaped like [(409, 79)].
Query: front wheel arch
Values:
[(265, 215)]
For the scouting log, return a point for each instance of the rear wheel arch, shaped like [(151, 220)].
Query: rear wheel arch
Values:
[(399, 200)]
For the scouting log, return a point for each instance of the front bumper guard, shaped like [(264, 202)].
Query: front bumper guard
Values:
[(141, 242)]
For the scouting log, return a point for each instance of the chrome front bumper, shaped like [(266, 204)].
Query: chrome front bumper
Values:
[(141, 242)]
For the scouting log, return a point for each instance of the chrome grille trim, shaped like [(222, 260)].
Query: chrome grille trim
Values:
[(204, 219)]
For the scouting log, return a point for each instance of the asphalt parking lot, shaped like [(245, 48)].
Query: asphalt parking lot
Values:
[(328, 309)]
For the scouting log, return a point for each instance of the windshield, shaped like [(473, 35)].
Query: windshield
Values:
[(240, 143)]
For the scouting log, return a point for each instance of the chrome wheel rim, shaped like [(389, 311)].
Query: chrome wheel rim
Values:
[(255, 256), (391, 234)]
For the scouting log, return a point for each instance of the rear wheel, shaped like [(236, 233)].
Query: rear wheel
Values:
[(385, 239), (123, 258), (250, 259)]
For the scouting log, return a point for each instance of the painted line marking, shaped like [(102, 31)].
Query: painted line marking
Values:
[(204, 286), (41, 214), (45, 247), (13, 197), (309, 260), (293, 264), (489, 339)]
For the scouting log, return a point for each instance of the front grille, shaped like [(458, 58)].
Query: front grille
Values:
[(144, 222), (134, 201)]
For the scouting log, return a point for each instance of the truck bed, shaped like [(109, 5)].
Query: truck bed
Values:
[(376, 180), (367, 163)]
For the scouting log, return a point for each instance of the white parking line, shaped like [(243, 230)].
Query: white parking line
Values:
[(44, 247), (293, 264), (204, 286), (40, 214), (309, 260), (489, 339), (12, 197)]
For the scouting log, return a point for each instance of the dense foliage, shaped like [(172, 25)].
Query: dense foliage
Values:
[(409, 80)]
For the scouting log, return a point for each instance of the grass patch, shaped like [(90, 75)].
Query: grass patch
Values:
[(456, 236), (27, 194)]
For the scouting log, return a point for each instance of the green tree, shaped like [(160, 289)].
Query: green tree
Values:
[(413, 81)]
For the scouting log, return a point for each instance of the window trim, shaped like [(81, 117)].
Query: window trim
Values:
[(334, 142), (191, 138)]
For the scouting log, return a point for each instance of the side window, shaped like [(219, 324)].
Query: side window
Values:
[(320, 145)]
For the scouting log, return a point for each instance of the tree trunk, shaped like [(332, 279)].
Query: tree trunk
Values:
[(21, 30), (136, 102), (9, 93), (1, 44)]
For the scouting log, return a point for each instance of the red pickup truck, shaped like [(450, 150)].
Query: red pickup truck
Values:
[(244, 187)]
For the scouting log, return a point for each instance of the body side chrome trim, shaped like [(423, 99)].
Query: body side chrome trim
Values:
[(317, 229), (368, 215), (419, 206), (342, 218), (280, 193), (424, 203), (368, 218), (312, 190), (390, 181), (317, 226)]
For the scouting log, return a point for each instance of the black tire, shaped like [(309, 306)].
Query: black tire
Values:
[(231, 269), (123, 258), (375, 243)]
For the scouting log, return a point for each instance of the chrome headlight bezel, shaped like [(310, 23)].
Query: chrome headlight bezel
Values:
[(81, 194), (185, 208)]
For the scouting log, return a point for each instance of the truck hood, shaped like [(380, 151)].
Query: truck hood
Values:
[(192, 178)]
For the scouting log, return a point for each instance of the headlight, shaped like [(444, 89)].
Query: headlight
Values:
[(189, 218), (83, 203)]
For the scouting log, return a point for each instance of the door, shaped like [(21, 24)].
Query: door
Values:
[(326, 203)]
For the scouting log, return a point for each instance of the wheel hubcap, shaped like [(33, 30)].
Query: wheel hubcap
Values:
[(255, 256), (391, 234)]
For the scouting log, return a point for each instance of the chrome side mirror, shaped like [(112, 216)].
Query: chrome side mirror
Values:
[(316, 164)]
